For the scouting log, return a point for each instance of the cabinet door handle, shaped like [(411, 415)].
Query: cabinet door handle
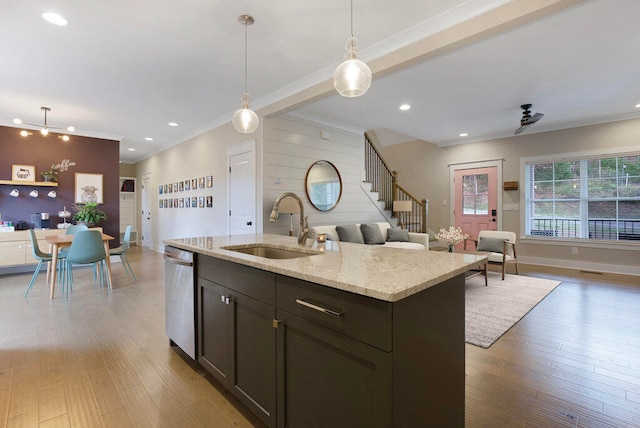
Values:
[(318, 308)]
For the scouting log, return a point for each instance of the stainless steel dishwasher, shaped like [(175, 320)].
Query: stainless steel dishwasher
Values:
[(180, 314)]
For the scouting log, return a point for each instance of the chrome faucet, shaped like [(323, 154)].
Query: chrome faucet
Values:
[(303, 230)]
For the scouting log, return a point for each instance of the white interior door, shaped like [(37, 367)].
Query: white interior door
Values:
[(146, 212), (242, 188)]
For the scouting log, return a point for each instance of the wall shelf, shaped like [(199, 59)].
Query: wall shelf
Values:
[(29, 183)]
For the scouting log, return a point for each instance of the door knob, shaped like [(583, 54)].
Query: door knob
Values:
[(249, 223)]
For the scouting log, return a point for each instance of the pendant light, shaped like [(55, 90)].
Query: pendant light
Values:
[(245, 120), (352, 78)]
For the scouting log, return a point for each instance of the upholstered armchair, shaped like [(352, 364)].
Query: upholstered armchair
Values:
[(501, 246)]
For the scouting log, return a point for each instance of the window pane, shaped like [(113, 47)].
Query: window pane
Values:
[(605, 188), (602, 209), (468, 185), (543, 190), (566, 170), (570, 209), (602, 168), (543, 172), (629, 223), (482, 205), (629, 187), (468, 204), (482, 181), (543, 209), (568, 189)]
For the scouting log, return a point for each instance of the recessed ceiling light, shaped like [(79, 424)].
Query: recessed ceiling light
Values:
[(17, 121), (132, 150), (173, 124), (464, 134), (24, 133), (637, 105), (54, 18), (405, 107), (70, 128), (148, 138)]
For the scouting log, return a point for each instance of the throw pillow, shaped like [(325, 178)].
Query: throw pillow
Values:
[(492, 245), (349, 233), (372, 234), (397, 235)]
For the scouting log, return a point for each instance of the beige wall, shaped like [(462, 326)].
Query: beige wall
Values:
[(424, 170), (200, 156)]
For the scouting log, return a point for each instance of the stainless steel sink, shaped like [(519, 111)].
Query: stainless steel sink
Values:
[(270, 252)]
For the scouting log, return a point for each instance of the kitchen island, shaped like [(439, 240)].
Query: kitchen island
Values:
[(341, 335)]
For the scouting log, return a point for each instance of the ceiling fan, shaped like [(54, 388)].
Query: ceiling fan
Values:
[(527, 119), (44, 129)]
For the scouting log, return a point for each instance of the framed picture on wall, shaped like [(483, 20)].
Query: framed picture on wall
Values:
[(88, 188), (187, 185), (23, 173), (210, 181), (201, 183)]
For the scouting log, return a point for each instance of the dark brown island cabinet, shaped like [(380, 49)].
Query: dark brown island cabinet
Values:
[(304, 355)]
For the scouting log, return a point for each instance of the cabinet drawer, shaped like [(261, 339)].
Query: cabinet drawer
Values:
[(249, 281), (359, 317), (14, 253)]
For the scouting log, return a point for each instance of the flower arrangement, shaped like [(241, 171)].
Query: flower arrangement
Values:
[(451, 236)]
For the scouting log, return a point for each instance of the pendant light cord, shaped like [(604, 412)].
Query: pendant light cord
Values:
[(245, 56), (351, 18)]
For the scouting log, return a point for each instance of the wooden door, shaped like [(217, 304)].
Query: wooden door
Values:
[(476, 202)]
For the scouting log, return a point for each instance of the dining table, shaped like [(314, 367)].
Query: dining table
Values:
[(57, 242)]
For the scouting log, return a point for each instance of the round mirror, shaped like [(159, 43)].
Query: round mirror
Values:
[(323, 185)]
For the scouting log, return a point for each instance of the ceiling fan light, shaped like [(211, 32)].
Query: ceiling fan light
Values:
[(244, 119), (352, 78)]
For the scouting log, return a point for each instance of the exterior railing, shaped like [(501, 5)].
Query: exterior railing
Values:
[(628, 230), (385, 181)]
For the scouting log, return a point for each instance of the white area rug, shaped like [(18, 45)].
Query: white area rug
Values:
[(492, 310)]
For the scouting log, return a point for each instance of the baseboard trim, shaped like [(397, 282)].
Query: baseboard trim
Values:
[(585, 267)]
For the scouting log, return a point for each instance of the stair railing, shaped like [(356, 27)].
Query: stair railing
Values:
[(385, 181)]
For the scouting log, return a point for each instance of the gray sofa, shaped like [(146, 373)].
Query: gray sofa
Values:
[(416, 241)]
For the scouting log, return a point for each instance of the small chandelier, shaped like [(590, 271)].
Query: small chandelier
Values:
[(44, 129), (352, 78), (244, 119)]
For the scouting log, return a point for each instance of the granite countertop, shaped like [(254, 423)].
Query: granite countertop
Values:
[(388, 274)]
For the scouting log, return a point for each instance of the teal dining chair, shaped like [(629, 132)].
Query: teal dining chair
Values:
[(87, 247), (71, 230), (121, 251), (39, 255)]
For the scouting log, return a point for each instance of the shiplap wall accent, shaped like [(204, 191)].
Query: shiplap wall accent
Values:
[(291, 146)]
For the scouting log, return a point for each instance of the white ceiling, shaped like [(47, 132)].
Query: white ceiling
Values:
[(124, 69)]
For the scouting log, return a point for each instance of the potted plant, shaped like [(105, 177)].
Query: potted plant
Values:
[(88, 214), (50, 175)]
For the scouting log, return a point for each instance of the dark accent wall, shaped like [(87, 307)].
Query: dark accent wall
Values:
[(91, 155)]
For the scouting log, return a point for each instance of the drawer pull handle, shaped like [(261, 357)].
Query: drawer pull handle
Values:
[(318, 308)]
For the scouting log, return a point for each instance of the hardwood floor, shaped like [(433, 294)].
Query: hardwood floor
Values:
[(104, 360)]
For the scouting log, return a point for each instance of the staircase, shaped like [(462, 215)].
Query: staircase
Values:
[(383, 188)]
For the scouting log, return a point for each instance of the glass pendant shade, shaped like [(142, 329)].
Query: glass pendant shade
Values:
[(352, 78), (44, 131), (244, 119)]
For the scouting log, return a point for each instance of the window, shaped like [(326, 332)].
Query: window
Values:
[(475, 194), (595, 198)]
